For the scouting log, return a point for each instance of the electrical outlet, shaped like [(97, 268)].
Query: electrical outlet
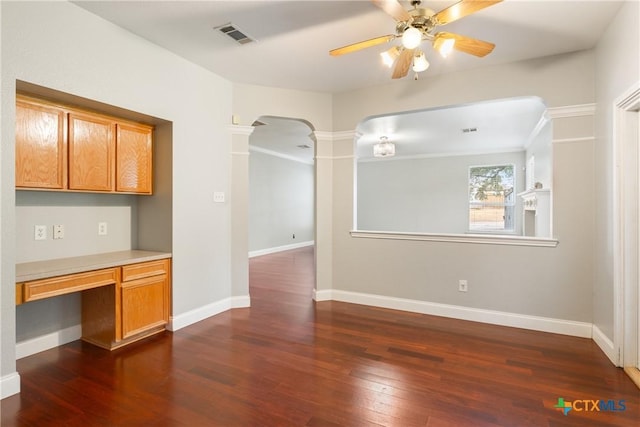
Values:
[(39, 232), (102, 229), (58, 231), (218, 197), (462, 286)]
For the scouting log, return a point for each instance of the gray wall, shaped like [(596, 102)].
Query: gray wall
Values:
[(425, 195), (541, 149), (40, 45), (280, 201), (544, 282), (617, 67)]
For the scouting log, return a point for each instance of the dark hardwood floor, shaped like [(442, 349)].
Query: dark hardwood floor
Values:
[(288, 361)]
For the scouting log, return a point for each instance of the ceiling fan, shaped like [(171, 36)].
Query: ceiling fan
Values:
[(417, 25)]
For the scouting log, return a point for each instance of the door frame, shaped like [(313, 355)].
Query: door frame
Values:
[(626, 234)]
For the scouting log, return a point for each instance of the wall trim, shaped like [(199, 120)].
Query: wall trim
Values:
[(605, 344), (45, 342), (241, 129), (276, 249), (9, 385), (502, 318), (334, 157), (337, 135), (280, 155), (625, 252), (458, 238), (573, 140), (64, 336), (577, 110), (194, 316)]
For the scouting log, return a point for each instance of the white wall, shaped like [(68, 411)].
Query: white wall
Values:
[(540, 148), (251, 102), (617, 68), (60, 46), (425, 195), (281, 202)]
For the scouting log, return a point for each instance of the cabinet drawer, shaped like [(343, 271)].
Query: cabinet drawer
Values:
[(61, 285), (145, 269)]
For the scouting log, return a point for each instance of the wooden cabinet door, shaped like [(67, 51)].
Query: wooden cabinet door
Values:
[(144, 304), (41, 154), (91, 152), (134, 158)]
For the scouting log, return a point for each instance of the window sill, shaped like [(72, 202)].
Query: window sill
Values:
[(458, 238)]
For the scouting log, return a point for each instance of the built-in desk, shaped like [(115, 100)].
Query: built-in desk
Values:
[(125, 295)]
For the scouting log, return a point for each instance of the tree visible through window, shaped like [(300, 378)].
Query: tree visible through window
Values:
[(491, 198)]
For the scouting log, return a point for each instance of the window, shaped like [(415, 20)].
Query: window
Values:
[(491, 198)]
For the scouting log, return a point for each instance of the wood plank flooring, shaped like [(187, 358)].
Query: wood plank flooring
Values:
[(288, 361)]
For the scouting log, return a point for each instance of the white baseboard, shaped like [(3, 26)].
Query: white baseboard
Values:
[(280, 249), (45, 342), (9, 385), (536, 323), (67, 335), (182, 320), (605, 344)]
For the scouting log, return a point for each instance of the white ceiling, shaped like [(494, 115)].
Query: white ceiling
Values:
[(498, 126), (294, 38)]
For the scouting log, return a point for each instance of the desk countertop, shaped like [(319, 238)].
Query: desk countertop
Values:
[(62, 266)]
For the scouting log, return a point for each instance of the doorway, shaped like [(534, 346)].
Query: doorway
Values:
[(281, 185)]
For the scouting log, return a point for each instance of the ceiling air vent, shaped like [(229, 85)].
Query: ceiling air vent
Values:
[(232, 31)]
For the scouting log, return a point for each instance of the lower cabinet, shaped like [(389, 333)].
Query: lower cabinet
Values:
[(136, 307), (145, 301)]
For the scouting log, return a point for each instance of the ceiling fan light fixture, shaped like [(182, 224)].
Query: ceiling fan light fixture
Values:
[(411, 38), (384, 148), (445, 46), (390, 56), (420, 62)]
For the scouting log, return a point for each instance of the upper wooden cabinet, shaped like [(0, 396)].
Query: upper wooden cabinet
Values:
[(41, 145), (134, 158), (63, 148), (92, 148)]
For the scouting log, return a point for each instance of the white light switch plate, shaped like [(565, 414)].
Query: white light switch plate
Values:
[(102, 229), (218, 197)]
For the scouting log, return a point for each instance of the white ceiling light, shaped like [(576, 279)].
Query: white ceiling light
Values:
[(390, 56), (411, 38), (446, 47), (420, 62), (384, 148)]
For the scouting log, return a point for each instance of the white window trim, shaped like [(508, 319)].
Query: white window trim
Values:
[(489, 239)]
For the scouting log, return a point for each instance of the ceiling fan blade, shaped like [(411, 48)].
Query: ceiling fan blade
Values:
[(464, 44), (403, 63), (361, 45), (462, 9), (394, 9)]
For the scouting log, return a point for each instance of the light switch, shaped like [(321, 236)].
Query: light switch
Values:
[(102, 229), (218, 197)]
